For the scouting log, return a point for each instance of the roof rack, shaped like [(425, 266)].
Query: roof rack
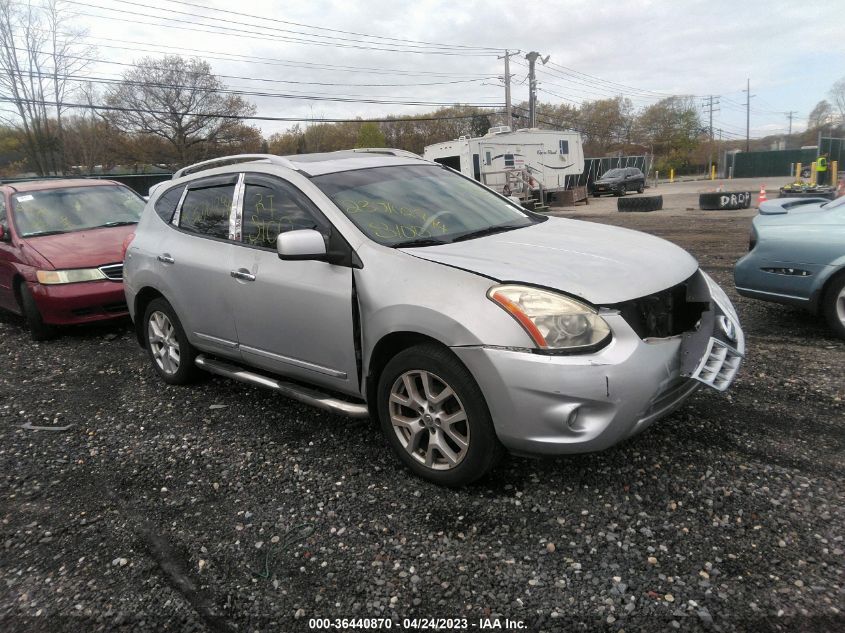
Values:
[(237, 158), (387, 150)]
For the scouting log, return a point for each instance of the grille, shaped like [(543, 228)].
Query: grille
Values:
[(113, 271), (666, 313), (719, 366)]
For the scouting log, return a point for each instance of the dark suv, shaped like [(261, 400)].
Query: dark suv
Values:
[(619, 181)]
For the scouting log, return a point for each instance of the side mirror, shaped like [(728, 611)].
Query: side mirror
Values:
[(5, 236), (301, 245)]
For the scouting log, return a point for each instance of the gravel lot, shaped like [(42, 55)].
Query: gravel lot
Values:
[(226, 508)]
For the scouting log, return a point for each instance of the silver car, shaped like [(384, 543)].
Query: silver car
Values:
[(375, 283)]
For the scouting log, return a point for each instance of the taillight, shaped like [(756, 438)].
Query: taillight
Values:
[(126, 242)]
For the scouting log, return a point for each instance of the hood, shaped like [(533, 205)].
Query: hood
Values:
[(82, 249), (599, 263), (610, 180)]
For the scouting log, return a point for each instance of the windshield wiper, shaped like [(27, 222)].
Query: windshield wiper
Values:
[(40, 233), (116, 223), (490, 230), (422, 242)]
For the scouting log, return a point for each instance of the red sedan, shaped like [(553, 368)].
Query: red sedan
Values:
[(61, 250)]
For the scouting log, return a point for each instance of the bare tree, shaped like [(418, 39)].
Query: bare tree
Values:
[(180, 101), (837, 94), (39, 53), (820, 115)]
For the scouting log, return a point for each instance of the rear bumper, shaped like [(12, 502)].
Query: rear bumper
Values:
[(557, 405), (70, 304)]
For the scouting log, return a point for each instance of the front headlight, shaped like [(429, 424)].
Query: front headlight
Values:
[(720, 297), (553, 321), (72, 276)]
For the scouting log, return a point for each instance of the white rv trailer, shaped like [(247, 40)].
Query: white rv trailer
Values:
[(523, 160)]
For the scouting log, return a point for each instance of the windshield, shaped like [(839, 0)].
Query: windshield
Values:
[(419, 205), (614, 173), (53, 211)]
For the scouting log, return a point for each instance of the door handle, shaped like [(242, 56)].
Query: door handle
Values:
[(165, 259), (242, 274)]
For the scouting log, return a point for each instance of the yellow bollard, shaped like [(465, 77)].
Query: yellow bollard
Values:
[(672, 175), (713, 172), (797, 172), (834, 169), (813, 173)]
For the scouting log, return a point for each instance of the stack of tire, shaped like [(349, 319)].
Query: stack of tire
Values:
[(724, 200), (640, 203)]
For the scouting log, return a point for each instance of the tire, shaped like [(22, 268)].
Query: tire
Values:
[(164, 337), (621, 191), (38, 330), (641, 188), (642, 204), (458, 465), (833, 305), (724, 200), (596, 195)]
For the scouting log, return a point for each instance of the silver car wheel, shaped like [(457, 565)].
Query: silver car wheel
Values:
[(163, 343), (429, 419), (840, 306)]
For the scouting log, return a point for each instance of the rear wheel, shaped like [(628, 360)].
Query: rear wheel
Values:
[(435, 417), (167, 346), (834, 305), (38, 330)]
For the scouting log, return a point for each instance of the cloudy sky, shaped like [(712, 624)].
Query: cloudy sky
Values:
[(446, 51)]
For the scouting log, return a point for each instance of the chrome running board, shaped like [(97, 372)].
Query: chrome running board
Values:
[(311, 397)]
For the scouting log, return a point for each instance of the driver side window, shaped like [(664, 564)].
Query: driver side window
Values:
[(271, 207)]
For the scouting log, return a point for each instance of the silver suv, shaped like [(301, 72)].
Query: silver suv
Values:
[(376, 283)]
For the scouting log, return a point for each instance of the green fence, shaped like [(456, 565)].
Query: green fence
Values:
[(774, 163)]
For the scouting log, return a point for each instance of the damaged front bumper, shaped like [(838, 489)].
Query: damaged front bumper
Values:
[(546, 404)]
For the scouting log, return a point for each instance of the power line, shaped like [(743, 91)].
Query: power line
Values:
[(322, 28), (243, 33), (86, 106), (384, 100)]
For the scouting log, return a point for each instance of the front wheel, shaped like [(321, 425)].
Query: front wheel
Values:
[(167, 346), (435, 416), (641, 188), (834, 305), (38, 330)]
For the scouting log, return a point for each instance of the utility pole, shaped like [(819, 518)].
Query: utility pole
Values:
[(507, 78), (532, 86), (709, 104), (789, 115), (748, 96)]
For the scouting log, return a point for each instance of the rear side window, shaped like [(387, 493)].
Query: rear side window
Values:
[(206, 209), (564, 147), (272, 206), (2, 209), (166, 204)]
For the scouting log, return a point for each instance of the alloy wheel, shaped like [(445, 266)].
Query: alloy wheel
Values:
[(840, 306), (429, 419), (163, 343)]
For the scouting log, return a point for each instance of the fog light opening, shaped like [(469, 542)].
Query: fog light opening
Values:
[(572, 420)]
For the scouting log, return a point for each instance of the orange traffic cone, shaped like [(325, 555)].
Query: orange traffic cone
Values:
[(762, 197)]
